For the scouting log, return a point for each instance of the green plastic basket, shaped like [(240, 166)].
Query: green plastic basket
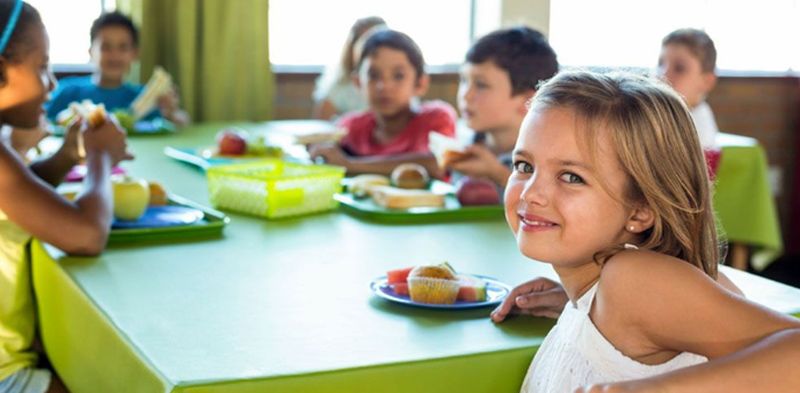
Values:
[(274, 188)]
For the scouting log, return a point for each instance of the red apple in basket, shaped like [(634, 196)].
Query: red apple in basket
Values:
[(472, 191), (231, 142)]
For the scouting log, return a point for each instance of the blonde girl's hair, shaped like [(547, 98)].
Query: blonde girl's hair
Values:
[(657, 146)]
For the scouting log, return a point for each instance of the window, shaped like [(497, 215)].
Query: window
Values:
[(68, 24), (748, 35), (312, 32)]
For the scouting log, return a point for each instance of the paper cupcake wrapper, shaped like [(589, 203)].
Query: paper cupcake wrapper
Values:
[(433, 290)]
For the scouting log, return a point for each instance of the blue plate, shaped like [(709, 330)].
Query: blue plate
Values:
[(496, 291), (162, 216)]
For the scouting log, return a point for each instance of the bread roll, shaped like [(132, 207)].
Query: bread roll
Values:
[(411, 176)]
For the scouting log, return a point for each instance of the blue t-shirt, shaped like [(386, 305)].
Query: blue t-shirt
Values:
[(79, 88)]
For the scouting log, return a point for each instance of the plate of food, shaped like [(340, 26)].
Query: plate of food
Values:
[(439, 287), (233, 145), (410, 195), (145, 211)]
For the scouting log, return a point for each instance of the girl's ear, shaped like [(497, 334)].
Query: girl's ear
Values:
[(355, 79), (423, 82), (641, 219)]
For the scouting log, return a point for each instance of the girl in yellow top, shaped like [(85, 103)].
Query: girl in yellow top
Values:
[(28, 204)]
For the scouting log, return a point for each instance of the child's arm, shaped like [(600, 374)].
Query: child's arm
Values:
[(324, 110), (383, 165), (481, 162), (652, 306), (53, 169), (78, 228)]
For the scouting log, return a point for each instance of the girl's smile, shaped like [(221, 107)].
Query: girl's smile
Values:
[(564, 200)]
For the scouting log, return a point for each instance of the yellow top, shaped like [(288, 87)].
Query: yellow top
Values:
[(17, 314)]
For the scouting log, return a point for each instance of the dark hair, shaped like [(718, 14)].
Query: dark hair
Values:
[(395, 40), (520, 51), (698, 42), (114, 19), (20, 42)]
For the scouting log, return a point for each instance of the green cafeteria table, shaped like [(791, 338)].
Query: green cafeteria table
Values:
[(285, 305), (743, 200)]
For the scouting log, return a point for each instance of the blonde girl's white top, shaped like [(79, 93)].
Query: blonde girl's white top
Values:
[(575, 354)]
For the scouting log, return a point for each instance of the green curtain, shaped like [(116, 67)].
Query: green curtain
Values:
[(216, 50)]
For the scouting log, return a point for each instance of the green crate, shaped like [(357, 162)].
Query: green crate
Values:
[(274, 188)]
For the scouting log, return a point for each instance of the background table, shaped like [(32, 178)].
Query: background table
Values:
[(285, 305), (743, 199)]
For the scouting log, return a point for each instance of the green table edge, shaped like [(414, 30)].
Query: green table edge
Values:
[(489, 372), (88, 320)]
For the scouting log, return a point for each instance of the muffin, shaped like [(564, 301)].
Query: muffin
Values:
[(410, 175), (433, 284)]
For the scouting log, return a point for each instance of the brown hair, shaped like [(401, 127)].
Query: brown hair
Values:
[(698, 43), (359, 28), (657, 146)]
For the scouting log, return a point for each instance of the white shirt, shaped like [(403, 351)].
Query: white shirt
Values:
[(706, 125), (575, 354)]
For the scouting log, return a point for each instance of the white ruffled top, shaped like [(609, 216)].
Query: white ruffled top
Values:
[(575, 354)]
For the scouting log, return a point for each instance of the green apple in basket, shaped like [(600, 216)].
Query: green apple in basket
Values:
[(257, 146)]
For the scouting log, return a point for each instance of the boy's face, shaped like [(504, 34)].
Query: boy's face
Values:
[(389, 81), (28, 83), (113, 51), (683, 71), (485, 98)]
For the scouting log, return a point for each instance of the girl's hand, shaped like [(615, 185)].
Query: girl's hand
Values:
[(331, 154), (540, 297), (108, 138), (69, 147), (482, 162)]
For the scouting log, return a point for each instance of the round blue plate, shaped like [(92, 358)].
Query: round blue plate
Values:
[(161, 216), (496, 291)]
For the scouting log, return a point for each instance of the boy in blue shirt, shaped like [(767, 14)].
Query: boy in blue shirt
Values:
[(114, 46)]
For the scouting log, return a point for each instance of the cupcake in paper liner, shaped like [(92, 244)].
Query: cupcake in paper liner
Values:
[(433, 284)]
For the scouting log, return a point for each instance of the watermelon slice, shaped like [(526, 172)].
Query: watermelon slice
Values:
[(398, 276), (400, 289), (471, 289)]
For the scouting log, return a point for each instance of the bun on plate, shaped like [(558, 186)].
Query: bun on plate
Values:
[(411, 176)]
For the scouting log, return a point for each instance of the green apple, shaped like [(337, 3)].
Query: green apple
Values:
[(131, 197)]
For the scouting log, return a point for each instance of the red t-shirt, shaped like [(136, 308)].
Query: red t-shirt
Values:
[(436, 116)]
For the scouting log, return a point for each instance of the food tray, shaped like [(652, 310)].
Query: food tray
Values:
[(210, 225), (452, 210)]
